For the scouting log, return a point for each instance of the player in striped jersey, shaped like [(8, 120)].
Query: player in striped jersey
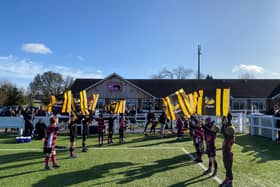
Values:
[(49, 144)]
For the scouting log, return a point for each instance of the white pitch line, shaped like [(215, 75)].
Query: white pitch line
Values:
[(21, 149), (133, 148), (216, 178)]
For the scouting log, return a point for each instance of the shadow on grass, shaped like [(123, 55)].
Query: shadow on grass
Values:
[(141, 172), (193, 180), (144, 139), (21, 173), (76, 177), (262, 149), (23, 156)]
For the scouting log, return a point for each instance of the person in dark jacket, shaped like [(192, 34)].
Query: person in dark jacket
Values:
[(150, 119), (40, 129), (111, 121), (28, 126), (72, 126), (162, 121)]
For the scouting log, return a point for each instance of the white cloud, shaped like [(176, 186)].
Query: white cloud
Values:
[(17, 70), (11, 66), (80, 58), (248, 68), (36, 48)]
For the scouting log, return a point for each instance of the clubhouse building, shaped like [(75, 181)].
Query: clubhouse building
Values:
[(250, 95)]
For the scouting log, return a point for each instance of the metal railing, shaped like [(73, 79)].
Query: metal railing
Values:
[(253, 124)]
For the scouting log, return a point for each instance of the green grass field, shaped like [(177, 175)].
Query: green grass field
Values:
[(141, 161)]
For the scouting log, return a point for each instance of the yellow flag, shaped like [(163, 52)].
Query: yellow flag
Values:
[(200, 102), (83, 102), (94, 102), (66, 107)]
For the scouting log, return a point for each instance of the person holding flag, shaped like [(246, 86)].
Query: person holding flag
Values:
[(72, 126), (101, 128), (229, 139), (198, 136), (85, 124), (210, 137), (111, 121)]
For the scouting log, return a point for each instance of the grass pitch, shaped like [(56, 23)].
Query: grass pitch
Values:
[(141, 161)]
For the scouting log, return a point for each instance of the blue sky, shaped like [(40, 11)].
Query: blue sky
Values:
[(137, 38)]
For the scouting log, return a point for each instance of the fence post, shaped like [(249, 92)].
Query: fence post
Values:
[(252, 132), (273, 131)]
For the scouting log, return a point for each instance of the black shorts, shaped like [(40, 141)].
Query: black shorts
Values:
[(211, 152), (73, 138), (48, 150)]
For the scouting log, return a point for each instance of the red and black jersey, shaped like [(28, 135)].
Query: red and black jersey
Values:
[(101, 124), (227, 143), (122, 125), (198, 133), (210, 137), (51, 137)]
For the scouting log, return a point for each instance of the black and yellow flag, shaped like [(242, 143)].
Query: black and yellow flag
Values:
[(222, 101), (66, 107), (169, 111), (216, 102), (83, 102), (53, 102), (93, 102), (120, 107)]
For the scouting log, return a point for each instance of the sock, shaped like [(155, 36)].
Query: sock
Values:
[(84, 144), (71, 151), (210, 165), (54, 160), (47, 159), (215, 165)]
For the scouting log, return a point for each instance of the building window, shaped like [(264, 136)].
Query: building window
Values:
[(258, 104), (130, 103), (239, 104), (147, 104)]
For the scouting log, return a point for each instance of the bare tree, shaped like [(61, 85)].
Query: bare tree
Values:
[(179, 72), (246, 76)]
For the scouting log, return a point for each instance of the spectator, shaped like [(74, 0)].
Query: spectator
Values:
[(28, 126), (40, 130), (132, 119), (150, 119), (162, 120), (277, 114)]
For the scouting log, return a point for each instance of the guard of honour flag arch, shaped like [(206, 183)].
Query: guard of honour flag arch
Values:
[(178, 103)]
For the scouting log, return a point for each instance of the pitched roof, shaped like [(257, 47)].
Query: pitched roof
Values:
[(240, 88), (81, 84)]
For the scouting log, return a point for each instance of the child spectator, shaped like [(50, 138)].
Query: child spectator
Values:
[(122, 129)]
